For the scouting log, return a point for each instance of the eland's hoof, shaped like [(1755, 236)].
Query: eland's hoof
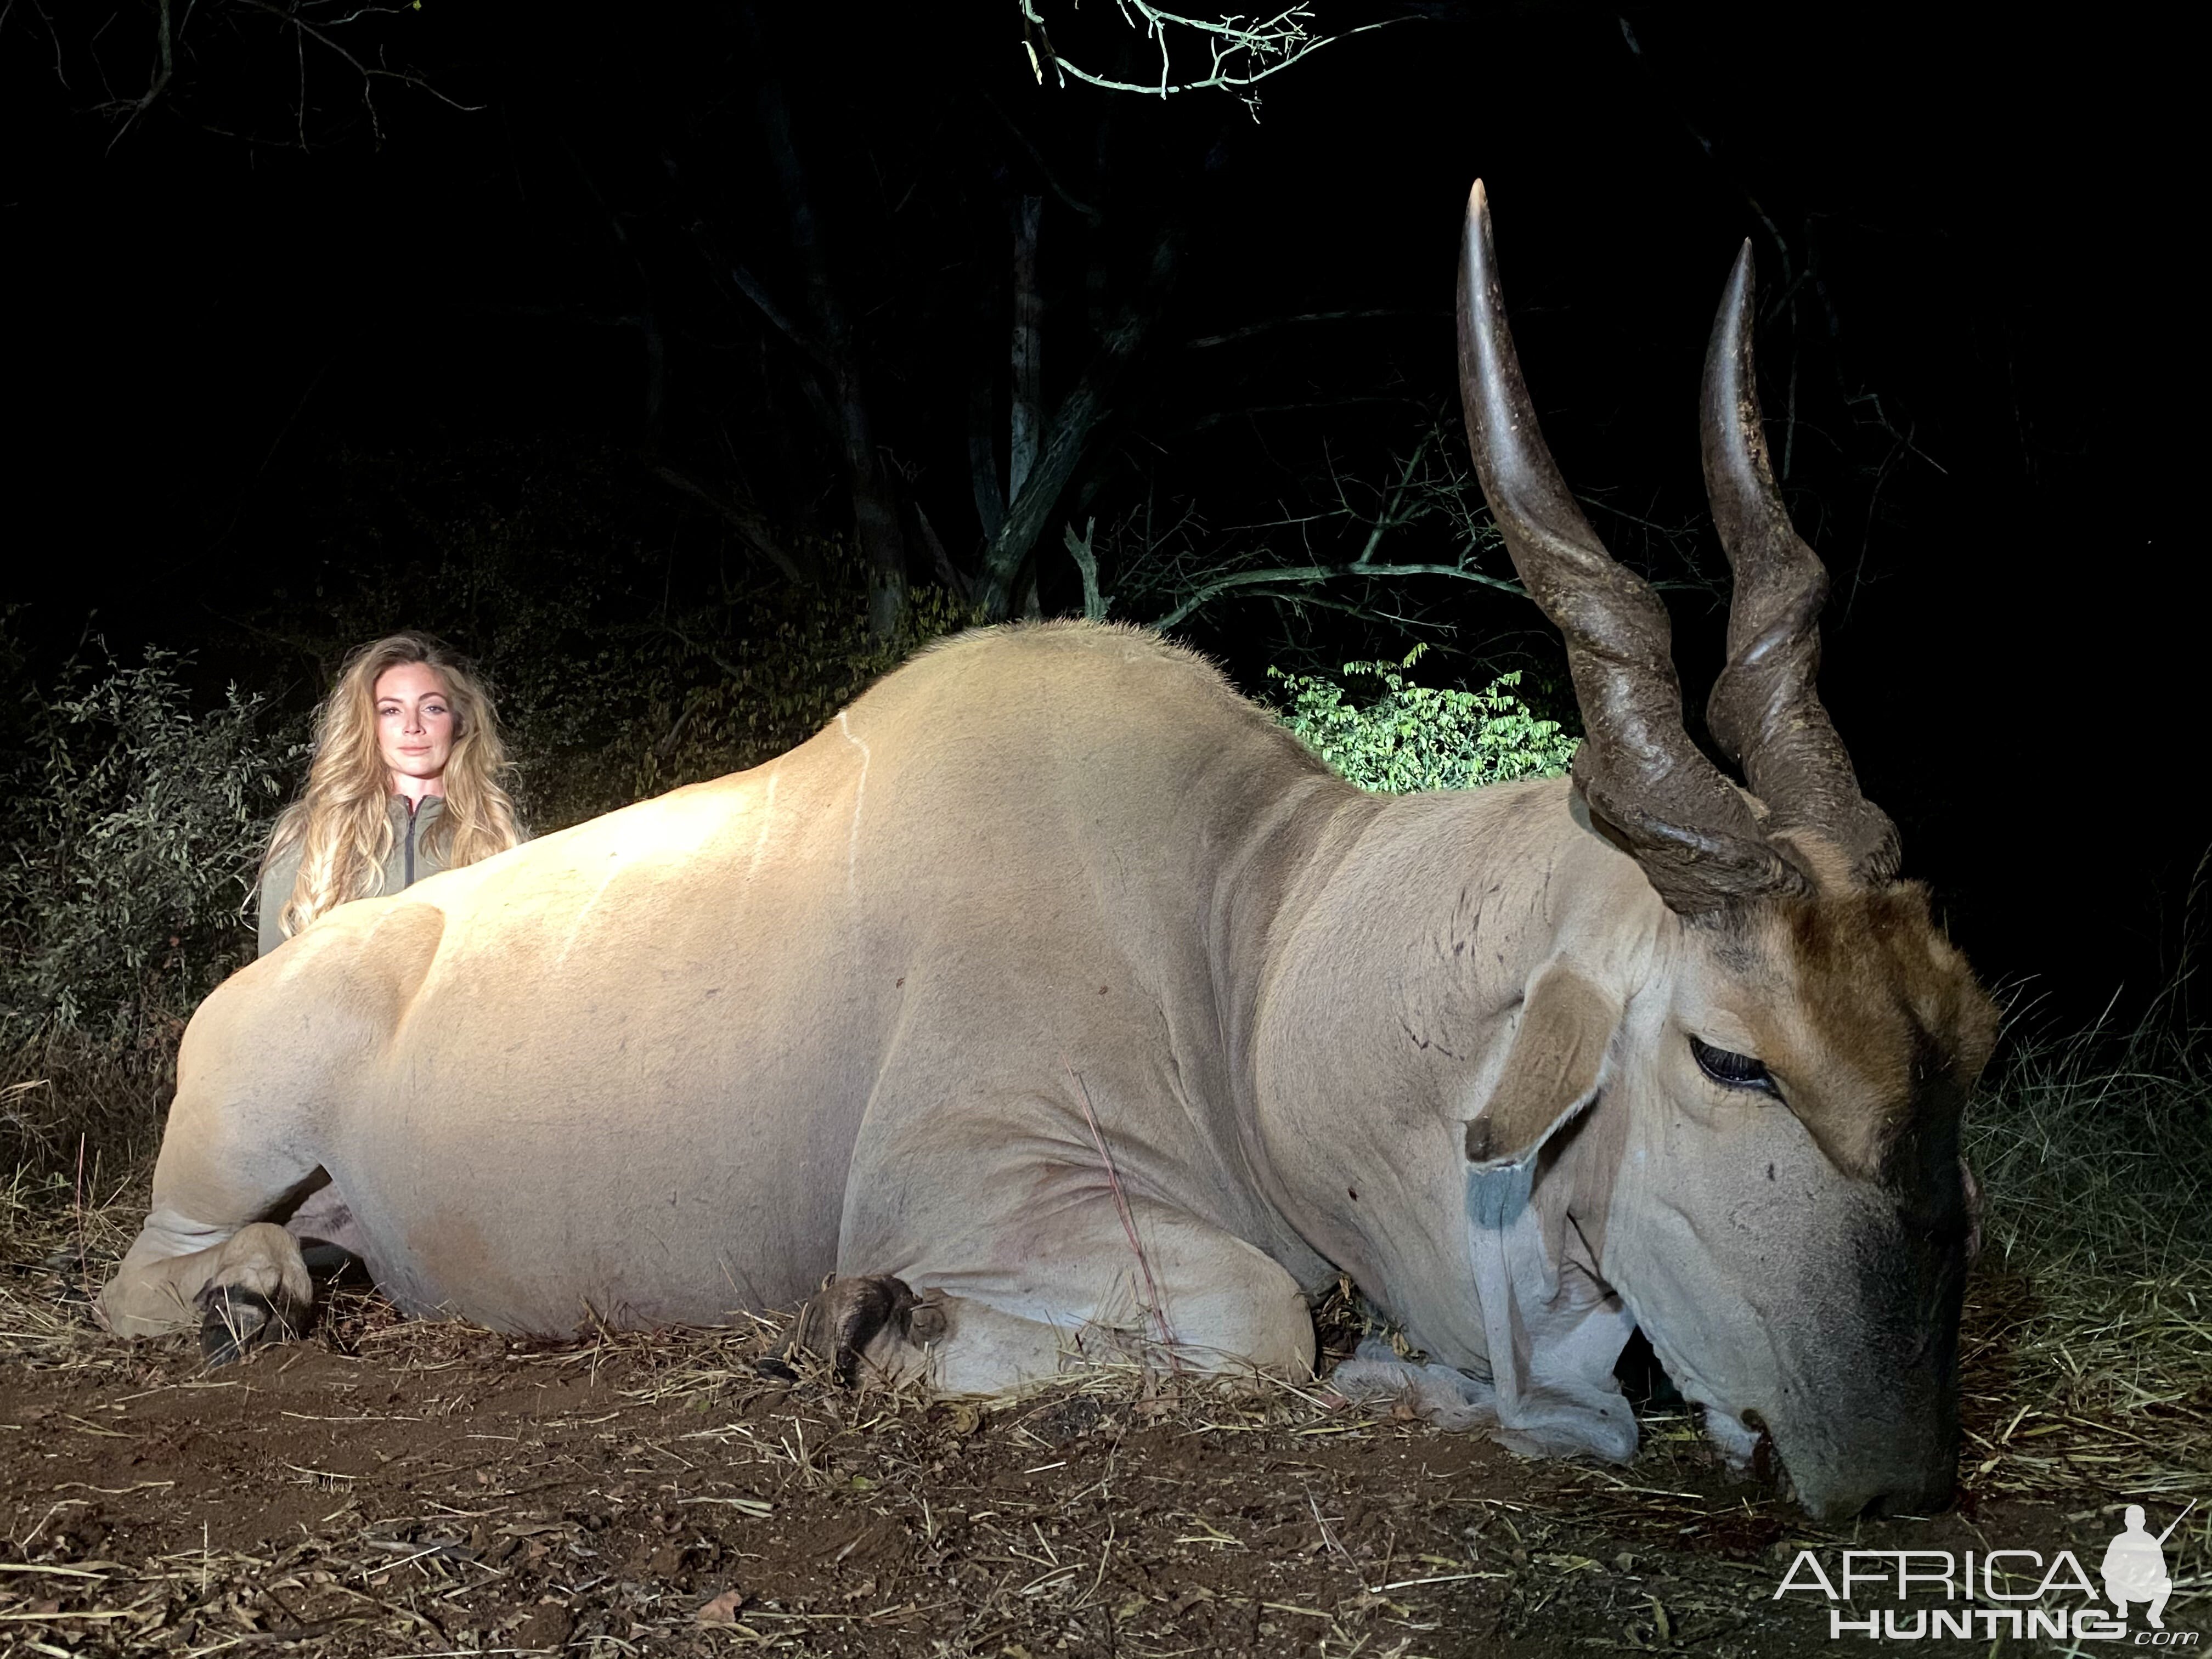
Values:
[(847, 1315), (928, 1322), (236, 1320)]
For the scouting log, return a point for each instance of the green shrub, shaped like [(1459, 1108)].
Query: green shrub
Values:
[(1419, 736), (133, 825)]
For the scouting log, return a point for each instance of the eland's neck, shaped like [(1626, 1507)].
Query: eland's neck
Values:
[(1376, 1014)]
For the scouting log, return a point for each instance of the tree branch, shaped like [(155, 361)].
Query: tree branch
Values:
[(166, 46), (1313, 574), (982, 463), (1086, 562), (290, 14), (1246, 333), (939, 559), (1241, 53), (875, 509), (1044, 167), (1067, 440), (810, 348), (750, 528), (1025, 415)]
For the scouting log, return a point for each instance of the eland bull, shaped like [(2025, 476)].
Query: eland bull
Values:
[(1056, 1001)]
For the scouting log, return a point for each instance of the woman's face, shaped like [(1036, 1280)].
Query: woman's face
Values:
[(413, 729)]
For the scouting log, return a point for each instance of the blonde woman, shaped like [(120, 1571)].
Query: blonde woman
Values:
[(405, 782)]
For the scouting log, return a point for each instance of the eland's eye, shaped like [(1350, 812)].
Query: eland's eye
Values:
[(1734, 1070)]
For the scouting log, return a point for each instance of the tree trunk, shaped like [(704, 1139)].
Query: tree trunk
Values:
[(1026, 425), (1068, 438), (875, 508), (982, 461)]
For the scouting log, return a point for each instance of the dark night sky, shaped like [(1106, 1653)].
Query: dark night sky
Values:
[(202, 328)]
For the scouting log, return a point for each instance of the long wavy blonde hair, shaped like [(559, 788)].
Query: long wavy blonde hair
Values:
[(342, 821)]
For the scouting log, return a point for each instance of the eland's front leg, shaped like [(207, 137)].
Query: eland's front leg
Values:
[(208, 1254), (267, 1064)]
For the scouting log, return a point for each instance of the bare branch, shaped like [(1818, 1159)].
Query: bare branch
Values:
[(875, 525), (939, 559), (751, 529), (1325, 550), (293, 16), (982, 464), (1248, 331), (331, 25), (1240, 52), (750, 286), (1043, 167), (165, 69), (1086, 562), (1313, 574), (1025, 420), (1070, 433)]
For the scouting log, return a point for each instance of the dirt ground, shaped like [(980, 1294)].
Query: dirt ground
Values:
[(388, 1487)]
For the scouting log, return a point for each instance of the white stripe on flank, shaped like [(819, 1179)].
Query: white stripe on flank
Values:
[(860, 794), (768, 812), (577, 926)]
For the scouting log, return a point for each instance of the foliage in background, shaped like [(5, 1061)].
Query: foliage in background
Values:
[(133, 825), (802, 654), (603, 708), (1414, 736)]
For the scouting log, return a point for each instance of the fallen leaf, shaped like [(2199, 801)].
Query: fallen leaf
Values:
[(723, 1609)]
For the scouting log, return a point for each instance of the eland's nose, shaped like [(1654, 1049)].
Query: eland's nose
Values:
[(1884, 1469), (1932, 1491), (1855, 1493)]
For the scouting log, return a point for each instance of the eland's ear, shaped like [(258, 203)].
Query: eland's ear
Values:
[(1554, 1070)]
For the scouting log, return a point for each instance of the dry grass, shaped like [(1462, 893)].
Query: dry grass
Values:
[(673, 1493), (2088, 1362), (82, 1117)]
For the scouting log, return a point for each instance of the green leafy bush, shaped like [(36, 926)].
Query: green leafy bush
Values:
[(1414, 736), (133, 825)]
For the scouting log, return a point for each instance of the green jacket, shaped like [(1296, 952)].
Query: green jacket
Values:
[(409, 862)]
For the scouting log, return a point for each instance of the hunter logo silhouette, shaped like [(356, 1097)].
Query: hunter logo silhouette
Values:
[(2134, 1566)]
